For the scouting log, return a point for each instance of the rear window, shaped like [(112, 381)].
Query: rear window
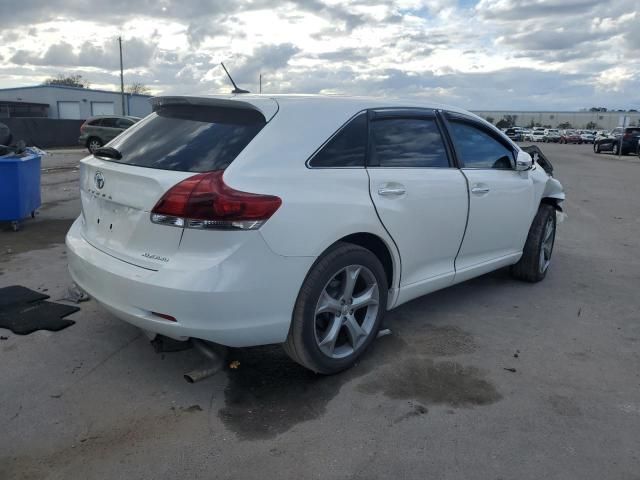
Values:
[(633, 130), (189, 138)]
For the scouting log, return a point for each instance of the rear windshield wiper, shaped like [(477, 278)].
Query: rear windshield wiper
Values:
[(108, 152)]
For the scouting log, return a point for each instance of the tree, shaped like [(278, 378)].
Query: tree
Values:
[(138, 88), (592, 126), (511, 119), (68, 81), (564, 125), (507, 121), (489, 119), (597, 109)]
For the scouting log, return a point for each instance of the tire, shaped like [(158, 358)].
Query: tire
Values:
[(536, 256), (309, 340), (93, 143), (614, 149), (596, 148)]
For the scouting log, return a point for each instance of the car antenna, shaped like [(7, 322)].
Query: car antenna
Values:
[(235, 87)]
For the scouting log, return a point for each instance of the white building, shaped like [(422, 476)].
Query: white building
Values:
[(601, 120), (78, 103)]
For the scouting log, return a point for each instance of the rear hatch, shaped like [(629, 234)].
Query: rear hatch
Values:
[(121, 184)]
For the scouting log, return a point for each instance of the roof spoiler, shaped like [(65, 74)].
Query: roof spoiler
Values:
[(268, 107)]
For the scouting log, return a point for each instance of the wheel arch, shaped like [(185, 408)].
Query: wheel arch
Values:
[(379, 248), (554, 202)]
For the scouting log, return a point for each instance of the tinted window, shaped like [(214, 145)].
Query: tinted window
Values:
[(189, 138), (124, 123), (109, 122), (96, 122), (407, 142), (347, 148), (478, 149)]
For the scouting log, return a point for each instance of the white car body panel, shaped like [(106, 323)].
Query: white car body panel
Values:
[(499, 216), (238, 288), (415, 219)]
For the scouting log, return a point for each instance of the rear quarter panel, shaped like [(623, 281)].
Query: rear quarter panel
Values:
[(319, 206)]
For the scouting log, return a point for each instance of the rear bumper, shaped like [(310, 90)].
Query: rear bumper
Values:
[(243, 298)]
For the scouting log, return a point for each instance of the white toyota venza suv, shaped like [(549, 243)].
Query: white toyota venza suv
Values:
[(250, 219)]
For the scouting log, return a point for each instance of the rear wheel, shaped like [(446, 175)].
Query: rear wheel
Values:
[(596, 148), (93, 144), (536, 256), (339, 310)]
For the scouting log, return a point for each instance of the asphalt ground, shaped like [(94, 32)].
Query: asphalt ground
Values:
[(489, 379)]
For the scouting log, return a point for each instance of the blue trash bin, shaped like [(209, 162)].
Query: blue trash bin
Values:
[(19, 187)]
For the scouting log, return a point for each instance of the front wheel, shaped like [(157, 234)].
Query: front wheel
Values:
[(339, 310), (536, 256), (615, 149), (596, 148)]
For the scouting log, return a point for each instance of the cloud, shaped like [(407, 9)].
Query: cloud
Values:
[(106, 55), (493, 54), (527, 9)]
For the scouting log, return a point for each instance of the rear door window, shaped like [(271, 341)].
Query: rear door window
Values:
[(124, 123), (189, 138), (407, 142), (109, 122), (347, 148)]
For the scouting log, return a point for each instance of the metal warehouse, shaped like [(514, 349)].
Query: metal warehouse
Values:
[(601, 120), (70, 102)]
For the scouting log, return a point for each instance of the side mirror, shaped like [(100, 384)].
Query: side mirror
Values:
[(523, 162)]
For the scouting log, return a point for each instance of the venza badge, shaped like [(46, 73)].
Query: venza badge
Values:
[(98, 179)]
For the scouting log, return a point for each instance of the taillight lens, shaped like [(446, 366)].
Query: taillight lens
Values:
[(205, 202)]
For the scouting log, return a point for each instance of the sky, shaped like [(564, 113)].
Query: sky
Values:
[(486, 54)]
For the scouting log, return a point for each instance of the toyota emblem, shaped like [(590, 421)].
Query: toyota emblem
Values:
[(99, 180)]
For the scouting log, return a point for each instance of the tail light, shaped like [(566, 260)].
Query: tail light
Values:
[(205, 202)]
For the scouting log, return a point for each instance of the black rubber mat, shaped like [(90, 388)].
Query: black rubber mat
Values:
[(23, 311), (17, 294)]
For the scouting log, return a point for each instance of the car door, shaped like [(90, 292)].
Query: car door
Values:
[(110, 129), (500, 198), (419, 195), (123, 123)]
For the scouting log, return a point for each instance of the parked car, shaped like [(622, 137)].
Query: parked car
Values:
[(229, 220), (620, 140), (98, 131), (5, 135), (514, 134), (570, 136), (587, 136), (551, 135), (537, 135)]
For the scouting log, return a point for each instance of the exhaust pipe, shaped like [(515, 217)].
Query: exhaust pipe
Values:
[(215, 355)]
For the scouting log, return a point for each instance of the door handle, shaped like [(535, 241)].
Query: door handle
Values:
[(478, 190), (391, 191)]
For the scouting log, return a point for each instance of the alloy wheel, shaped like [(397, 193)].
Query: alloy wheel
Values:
[(94, 145), (546, 248), (346, 311)]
